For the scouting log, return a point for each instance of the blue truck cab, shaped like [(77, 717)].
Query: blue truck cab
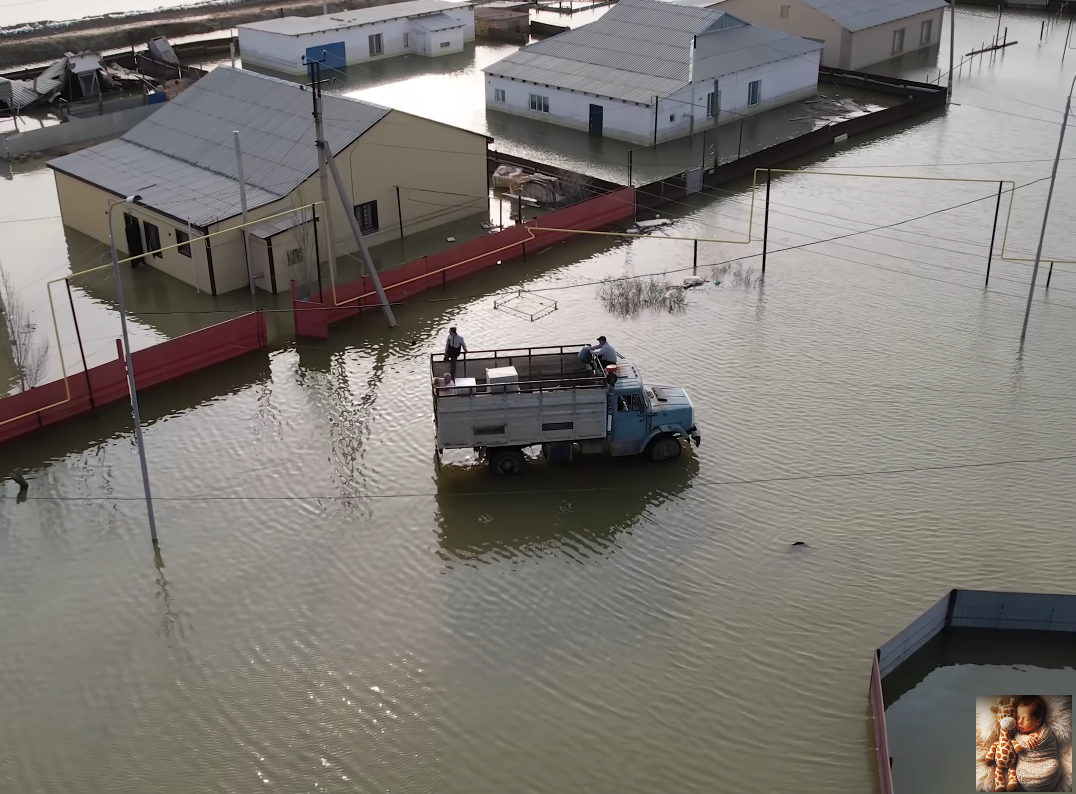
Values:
[(648, 418)]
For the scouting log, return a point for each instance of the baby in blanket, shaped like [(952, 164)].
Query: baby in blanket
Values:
[(1039, 767)]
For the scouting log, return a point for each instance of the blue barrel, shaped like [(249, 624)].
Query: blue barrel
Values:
[(586, 355)]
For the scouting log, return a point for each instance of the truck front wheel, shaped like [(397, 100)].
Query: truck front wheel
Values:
[(665, 448), (506, 461)]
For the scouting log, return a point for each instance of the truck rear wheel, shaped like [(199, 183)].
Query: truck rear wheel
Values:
[(506, 461), (665, 448)]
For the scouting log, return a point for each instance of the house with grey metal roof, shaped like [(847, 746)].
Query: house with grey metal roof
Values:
[(415, 27), (182, 163), (855, 33), (649, 71)]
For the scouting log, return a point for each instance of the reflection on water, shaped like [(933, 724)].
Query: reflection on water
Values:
[(583, 510)]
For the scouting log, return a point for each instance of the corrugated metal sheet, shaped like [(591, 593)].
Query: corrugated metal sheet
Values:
[(300, 26), (281, 223), (746, 48), (182, 158), (642, 48), (436, 22), (856, 15), (42, 88)]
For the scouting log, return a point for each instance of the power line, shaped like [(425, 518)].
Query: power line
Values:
[(590, 489)]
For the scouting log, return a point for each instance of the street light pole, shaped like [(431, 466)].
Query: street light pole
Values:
[(130, 370), (1046, 212)]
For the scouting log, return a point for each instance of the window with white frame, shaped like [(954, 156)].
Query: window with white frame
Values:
[(540, 103), (925, 31), (446, 44), (407, 40), (754, 92), (498, 95), (785, 10), (672, 117), (898, 41), (377, 45)]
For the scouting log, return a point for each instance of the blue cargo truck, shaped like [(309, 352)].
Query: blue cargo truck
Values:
[(504, 401)]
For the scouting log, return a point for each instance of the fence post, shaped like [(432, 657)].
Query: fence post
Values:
[(993, 233), (766, 223), (695, 259), (81, 351), (1048, 275)]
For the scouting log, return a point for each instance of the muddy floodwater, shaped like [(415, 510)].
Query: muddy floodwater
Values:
[(331, 612)]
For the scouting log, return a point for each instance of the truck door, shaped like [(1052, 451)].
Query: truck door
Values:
[(629, 424)]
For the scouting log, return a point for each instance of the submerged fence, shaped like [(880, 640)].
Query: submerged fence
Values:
[(922, 97), (313, 317), (83, 392)]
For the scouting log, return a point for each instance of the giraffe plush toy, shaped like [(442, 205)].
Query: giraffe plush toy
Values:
[(1001, 751)]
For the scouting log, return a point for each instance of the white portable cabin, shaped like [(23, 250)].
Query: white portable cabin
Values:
[(419, 27)]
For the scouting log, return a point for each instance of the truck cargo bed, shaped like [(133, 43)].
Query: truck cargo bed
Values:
[(556, 398)]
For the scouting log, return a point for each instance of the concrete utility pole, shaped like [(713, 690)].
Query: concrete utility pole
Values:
[(327, 162), (243, 206), (130, 369), (323, 173), (952, 49), (1046, 212)]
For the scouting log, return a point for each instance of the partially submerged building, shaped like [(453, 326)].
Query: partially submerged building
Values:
[(855, 33), (182, 162), (417, 27), (650, 71)]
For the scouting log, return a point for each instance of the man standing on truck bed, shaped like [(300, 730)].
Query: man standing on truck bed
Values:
[(453, 346), (605, 353)]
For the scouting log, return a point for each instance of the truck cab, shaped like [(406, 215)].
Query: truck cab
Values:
[(648, 418)]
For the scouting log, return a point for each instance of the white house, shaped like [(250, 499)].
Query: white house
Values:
[(419, 27), (856, 33), (649, 71)]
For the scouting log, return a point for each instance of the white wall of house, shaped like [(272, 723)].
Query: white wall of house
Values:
[(623, 120), (284, 52), (871, 45), (794, 17), (432, 44), (678, 115)]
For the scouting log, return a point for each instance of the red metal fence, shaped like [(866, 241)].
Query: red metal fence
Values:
[(313, 317), (56, 401)]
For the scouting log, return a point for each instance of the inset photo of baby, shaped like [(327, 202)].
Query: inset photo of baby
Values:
[(1023, 743)]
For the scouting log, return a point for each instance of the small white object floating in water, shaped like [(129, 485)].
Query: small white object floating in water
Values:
[(654, 223), (633, 230), (693, 281)]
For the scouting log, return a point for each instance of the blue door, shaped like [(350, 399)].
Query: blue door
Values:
[(334, 55), (629, 423)]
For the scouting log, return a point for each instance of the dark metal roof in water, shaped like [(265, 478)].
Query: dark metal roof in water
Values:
[(638, 50), (181, 160)]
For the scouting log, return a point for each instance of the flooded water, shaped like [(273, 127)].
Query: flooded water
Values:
[(332, 612)]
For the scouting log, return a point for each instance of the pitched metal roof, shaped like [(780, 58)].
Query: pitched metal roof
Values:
[(642, 48), (856, 15), (300, 26), (746, 47), (436, 22), (181, 159)]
